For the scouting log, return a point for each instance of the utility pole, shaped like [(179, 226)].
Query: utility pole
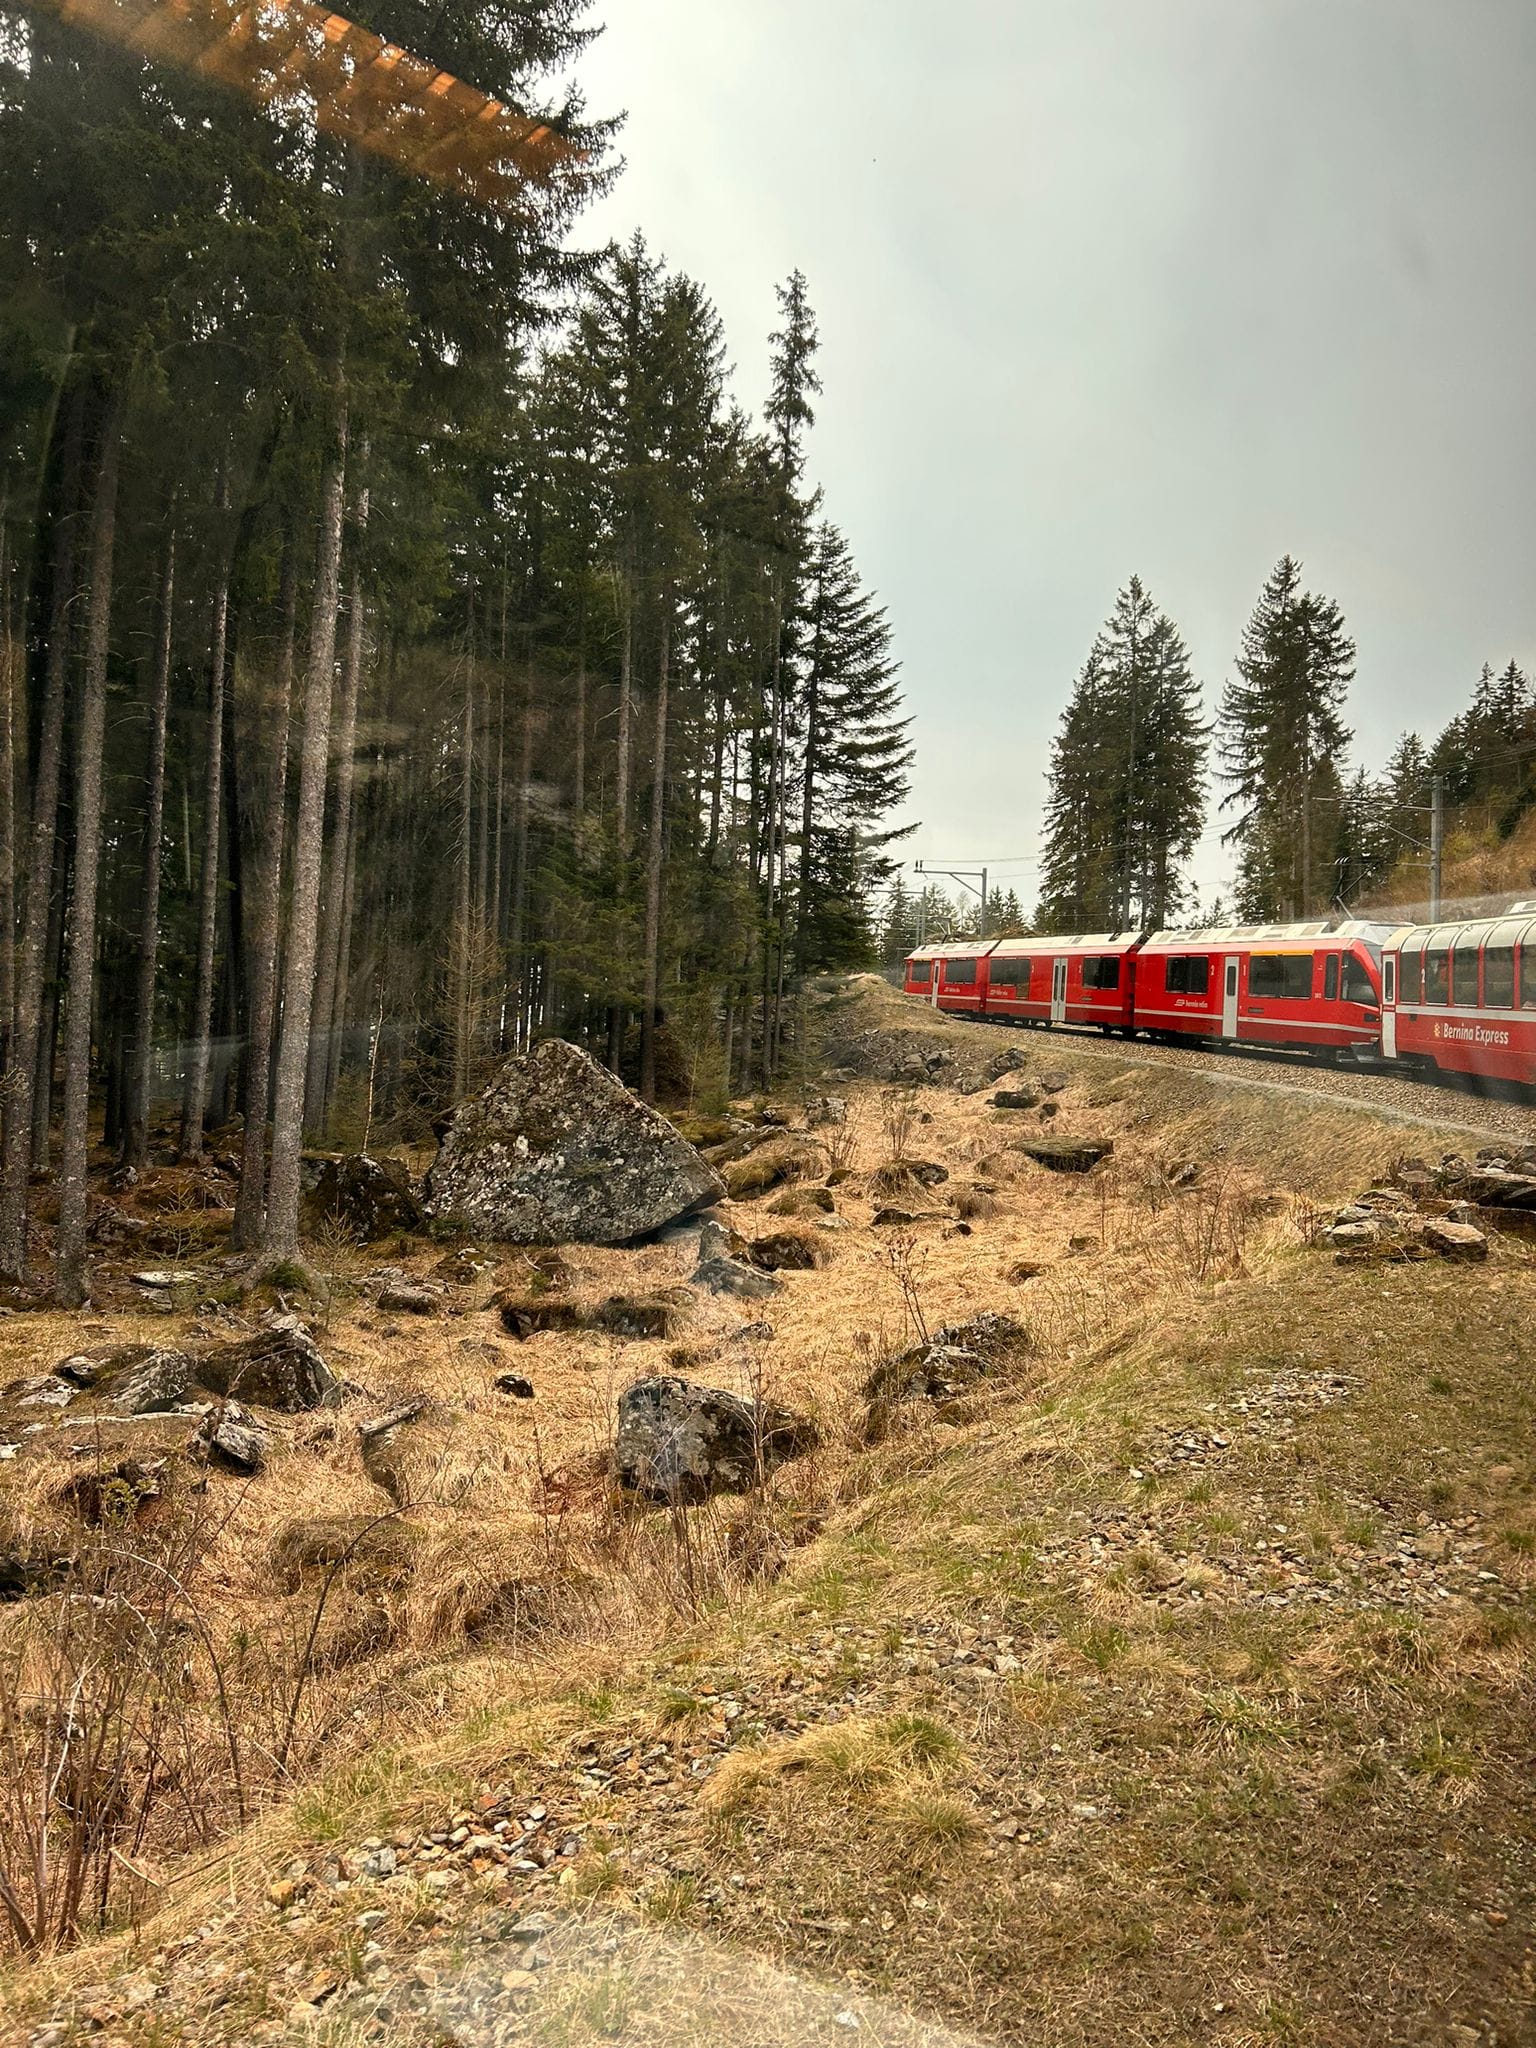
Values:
[(966, 878), (1436, 842)]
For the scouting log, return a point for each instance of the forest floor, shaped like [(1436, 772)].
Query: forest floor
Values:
[(1173, 1685)]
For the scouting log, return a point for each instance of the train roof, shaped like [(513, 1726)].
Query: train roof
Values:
[(1241, 934), (1508, 929), (952, 949), (1066, 942)]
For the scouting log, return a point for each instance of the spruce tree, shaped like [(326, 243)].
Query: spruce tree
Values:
[(1126, 798), (1282, 740)]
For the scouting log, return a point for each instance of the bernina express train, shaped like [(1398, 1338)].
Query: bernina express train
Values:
[(1460, 996)]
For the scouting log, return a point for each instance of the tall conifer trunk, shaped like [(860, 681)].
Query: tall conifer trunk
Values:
[(280, 1233), (34, 953), (69, 1279), (654, 863), (141, 1076), (194, 1098), (333, 926), (250, 1199)]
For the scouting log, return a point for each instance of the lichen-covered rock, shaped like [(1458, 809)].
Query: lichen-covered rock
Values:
[(723, 1273), (803, 1201), (280, 1367), (143, 1379), (557, 1151), (228, 1437), (679, 1441), (364, 1197), (950, 1362)]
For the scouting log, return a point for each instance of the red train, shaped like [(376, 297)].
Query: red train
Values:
[(1458, 996)]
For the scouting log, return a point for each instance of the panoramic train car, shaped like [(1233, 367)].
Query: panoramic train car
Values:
[(951, 977), (1310, 987), (1462, 997), (1082, 980)]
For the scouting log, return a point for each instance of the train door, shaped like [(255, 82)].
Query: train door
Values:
[(1229, 995), (933, 993), (1389, 1006), (1058, 991)]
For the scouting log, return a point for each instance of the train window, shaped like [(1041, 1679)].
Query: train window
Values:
[(1389, 978), (1358, 986), (1499, 978), (1189, 975), (1528, 972), (1286, 976), (1437, 961), (959, 973), (1102, 972), (1410, 978), (919, 972), (1331, 978), (1010, 970), (1464, 974)]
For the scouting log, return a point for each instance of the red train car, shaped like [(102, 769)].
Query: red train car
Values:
[(951, 977), (1082, 980), (1310, 987), (1462, 996)]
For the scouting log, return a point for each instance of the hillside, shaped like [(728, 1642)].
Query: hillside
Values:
[(1154, 1667)]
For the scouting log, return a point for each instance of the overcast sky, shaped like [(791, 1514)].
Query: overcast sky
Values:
[(1108, 287)]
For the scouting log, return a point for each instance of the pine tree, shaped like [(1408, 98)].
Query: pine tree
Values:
[(854, 758), (1126, 795), (1282, 741)]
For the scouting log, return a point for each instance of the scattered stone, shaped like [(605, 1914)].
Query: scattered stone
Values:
[(803, 1201), (515, 1384), (1023, 1096), (891, 1217), (398, 1297), (364, 1197), (1054, 1083), (825, 1109), (162, 1279), (723, 1273), (280, 1367), (1064, 1155), (142, 1379), (679, 1441), (1455, 1240), (1023, 1270), (228, 1437), (784, 1251), (40, 1390), (558, 1150), (948, 1364)]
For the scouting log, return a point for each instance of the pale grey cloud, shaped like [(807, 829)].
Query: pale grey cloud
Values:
[(1163, 286)]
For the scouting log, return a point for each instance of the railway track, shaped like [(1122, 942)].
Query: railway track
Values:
[(1448, 1103)]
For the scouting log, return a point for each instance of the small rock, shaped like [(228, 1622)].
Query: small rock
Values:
[(1462, 1241), (399, 1298), (515, 1384), (1024, 1096), (677, 1440)]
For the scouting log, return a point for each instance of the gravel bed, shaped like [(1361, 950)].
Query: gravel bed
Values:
[(1447, 1104)]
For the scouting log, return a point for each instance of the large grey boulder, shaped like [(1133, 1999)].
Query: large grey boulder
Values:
[(556, 1151), (679, 1441)]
